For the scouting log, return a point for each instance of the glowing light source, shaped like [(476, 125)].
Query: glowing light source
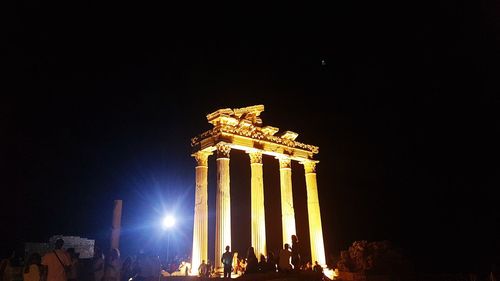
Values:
[(168, 222), (331, 274)]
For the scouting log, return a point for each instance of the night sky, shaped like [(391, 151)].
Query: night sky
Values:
[(99, 102)]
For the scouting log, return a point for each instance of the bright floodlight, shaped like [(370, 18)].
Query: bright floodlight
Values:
[(168, 222)]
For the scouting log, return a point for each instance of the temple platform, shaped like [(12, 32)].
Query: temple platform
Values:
[(300, 276)]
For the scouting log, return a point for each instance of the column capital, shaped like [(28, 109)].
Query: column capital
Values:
[(285, 163), (223, 150), (201, 157), (255, 157), (309, 166)]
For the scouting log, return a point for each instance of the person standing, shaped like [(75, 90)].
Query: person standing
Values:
[(126, 271), (98, 264), (295, 252), (252, 262), (75, 265), (317, 268), (262, 263), (284, 259), (271, 262), (32, 269), (112, 266), (227, 261), (203, 269), (236, 264), (147, 266), (8, 267), (56, 263)]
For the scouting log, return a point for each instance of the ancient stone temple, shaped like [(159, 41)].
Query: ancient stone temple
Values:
[(242, 129)]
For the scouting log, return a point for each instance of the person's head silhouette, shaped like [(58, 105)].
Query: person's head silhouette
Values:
[(59, 243)]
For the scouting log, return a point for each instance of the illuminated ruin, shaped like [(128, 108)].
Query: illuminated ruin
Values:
[(242, 129)]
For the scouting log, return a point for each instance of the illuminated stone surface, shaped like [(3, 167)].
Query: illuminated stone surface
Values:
[(287, 211), (258, 217), (314, 215), (222, 204), (242, 129), (116, 224), (200, 228)]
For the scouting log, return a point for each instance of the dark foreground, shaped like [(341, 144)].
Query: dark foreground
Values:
[(299, 276)]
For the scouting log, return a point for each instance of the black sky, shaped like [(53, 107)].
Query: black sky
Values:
[(100, 101)]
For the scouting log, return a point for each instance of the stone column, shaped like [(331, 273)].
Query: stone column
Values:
[(258, 217), (314, 215), (116, 224), (222, 204), (200, 227), (287, 211)]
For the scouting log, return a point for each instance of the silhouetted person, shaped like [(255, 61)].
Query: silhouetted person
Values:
[(56, 263), (227, 261), (126, 271), (210, 268), (262, 263), (203, 269), (8, 265), (271, 262), (252, 263), (295, 252), (33, 268), (112, 266), (317, 268), (3, 266), (98, 264), (152, 268), (308, 266), (284, 259), (74, 267)]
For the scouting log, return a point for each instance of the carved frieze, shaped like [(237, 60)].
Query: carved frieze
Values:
[(245, 122), (254, 133)]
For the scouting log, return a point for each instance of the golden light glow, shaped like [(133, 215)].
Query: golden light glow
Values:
[(222, 207), (257, 205), (242, 129), (330, 273), (200, 228), (287, 211), (314, 215)]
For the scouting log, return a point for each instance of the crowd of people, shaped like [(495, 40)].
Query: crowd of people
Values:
[(287, 261), (64, 265)]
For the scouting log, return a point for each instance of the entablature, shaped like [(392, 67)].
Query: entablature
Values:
[(242, 129)]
